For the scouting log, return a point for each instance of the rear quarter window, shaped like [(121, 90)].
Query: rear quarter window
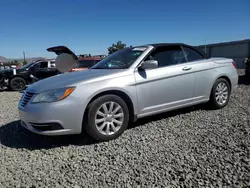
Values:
[(52, 64), (192, 55)]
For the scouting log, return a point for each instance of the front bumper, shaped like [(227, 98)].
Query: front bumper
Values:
[(58, 118), (3, 81)]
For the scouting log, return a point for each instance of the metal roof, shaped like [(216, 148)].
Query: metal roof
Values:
[(226, 43)]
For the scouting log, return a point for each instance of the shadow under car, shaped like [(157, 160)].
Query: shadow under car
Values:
[(13, 135)]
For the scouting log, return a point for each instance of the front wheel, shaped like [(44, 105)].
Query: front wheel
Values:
[(107, 117), (220, 94), (17, 84)]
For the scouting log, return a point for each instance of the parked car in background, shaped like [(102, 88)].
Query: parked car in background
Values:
[(85, 63), (3, 67), (81, 63), (247, 69), (13, 66), (16, 79), (131, 83)]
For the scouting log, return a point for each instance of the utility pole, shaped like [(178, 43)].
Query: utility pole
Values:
[(23, 55), (205, 47)]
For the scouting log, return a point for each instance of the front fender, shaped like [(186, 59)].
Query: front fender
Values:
[(132, 97), (86, 92), (26, 78)]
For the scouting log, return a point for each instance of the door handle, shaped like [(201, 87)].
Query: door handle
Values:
[(186, 68)]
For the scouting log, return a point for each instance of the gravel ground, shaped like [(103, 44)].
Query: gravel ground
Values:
[(192, 147)]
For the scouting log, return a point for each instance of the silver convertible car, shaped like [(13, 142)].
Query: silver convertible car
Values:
[(129, 84)]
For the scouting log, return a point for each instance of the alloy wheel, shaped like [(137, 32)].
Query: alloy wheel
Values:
[(109, 118), (221, 93)]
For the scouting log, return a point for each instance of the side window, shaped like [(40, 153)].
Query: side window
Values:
[(166, 56), (36, 65), (191, 54), (43, 64), (52, 64)]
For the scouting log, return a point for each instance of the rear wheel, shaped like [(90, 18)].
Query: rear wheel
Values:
[(1, 79), (220, 94), (107, 118), (247, 71), (17, 84)]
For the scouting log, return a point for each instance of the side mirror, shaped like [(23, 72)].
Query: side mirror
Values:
[(149, 64)]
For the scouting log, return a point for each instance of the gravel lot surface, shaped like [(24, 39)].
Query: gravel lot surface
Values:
[(193, 147)]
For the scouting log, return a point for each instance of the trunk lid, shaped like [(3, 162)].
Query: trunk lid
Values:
[(62, 49), (221, 60)]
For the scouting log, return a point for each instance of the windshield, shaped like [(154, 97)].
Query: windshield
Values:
[(121, 59)]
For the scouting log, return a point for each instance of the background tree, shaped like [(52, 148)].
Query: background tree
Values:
[(15, 62), (25, 62), (20, 64), (115, 47)]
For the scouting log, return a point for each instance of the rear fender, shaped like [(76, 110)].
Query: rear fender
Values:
[(1, 78)]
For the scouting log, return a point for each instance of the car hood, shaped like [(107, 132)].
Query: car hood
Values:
[(75, 78), (6, 70)]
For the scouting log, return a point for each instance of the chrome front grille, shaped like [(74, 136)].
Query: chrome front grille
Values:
[(25, 98)]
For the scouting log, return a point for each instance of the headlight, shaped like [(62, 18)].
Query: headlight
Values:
[(53, 95)]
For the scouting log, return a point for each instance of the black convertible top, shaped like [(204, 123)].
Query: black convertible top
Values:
[(157, 45)]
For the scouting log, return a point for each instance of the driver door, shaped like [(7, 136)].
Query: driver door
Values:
[(168, 86), (41, 70), (51, 70)]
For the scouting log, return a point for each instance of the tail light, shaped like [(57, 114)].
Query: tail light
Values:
[(72, 70), (234, 64)]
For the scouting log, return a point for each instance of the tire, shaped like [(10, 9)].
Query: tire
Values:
[(247, 73), (213, 102), (96, 106), (17, 84), (1, 79)]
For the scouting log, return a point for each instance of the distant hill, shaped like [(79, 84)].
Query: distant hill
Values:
[(5, 60)]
